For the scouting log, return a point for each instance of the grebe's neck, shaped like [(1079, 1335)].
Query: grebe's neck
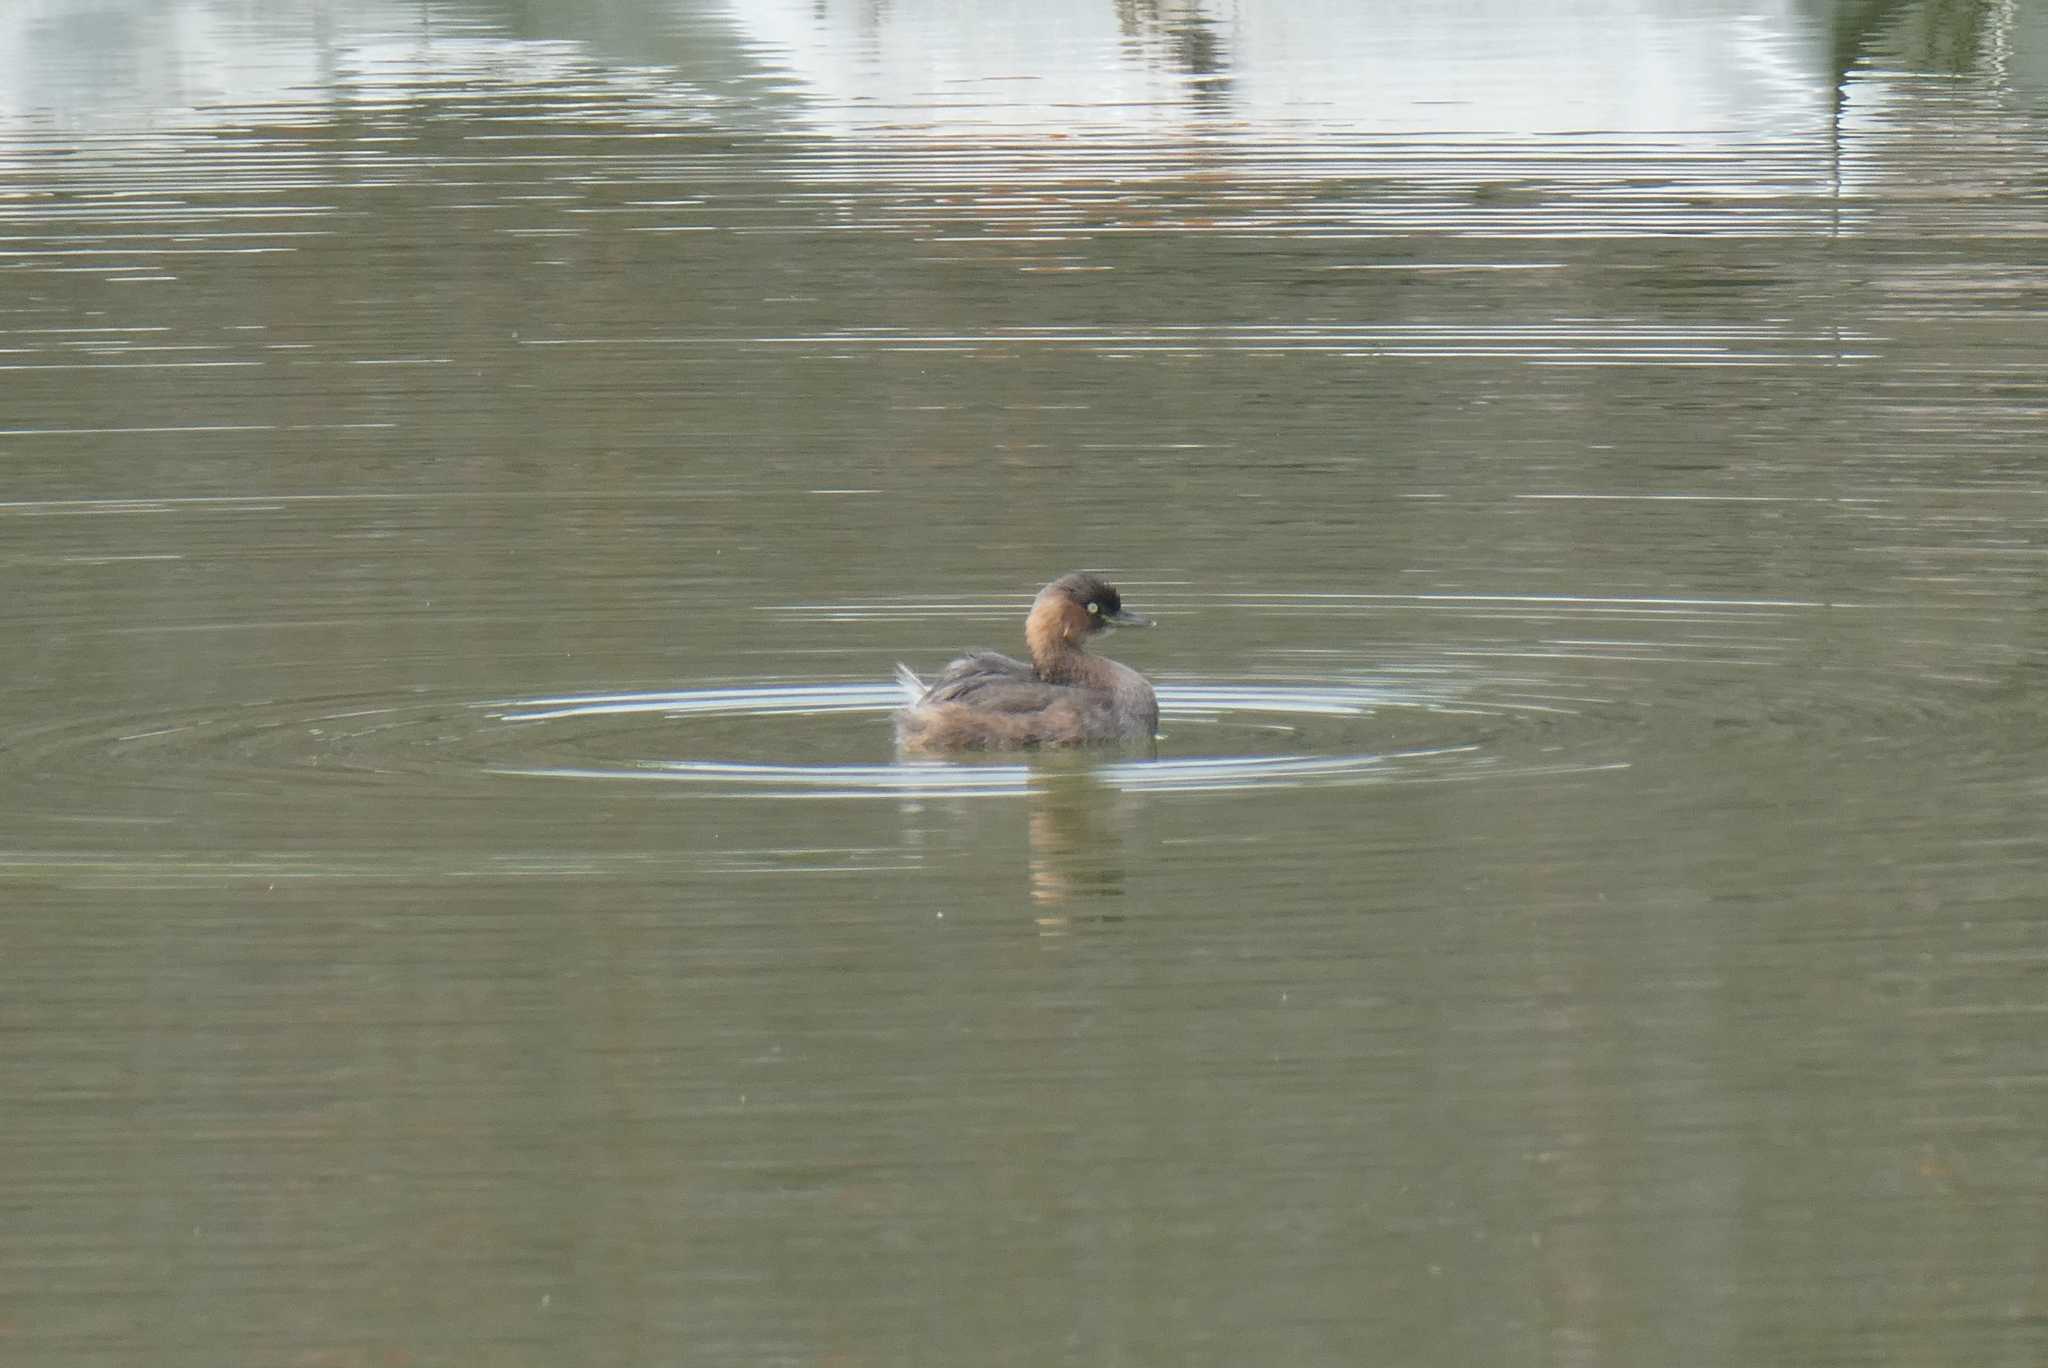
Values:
[(1053, 632)]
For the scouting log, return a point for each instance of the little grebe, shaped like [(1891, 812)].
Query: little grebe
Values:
[(1063, 697)]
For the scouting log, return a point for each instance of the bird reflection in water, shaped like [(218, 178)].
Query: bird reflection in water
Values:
[(1078, 830)]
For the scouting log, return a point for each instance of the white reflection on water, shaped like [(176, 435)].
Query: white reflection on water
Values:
[(1483, 65), (1062, 127), (776, 700), (938, 779), (216, 60), (1570, 343), (1002, 777)]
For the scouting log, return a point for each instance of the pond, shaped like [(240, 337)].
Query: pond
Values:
[(472, 471)]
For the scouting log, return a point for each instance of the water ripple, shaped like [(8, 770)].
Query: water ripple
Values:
[(932, 779), (1220, 737), (1201, 708)]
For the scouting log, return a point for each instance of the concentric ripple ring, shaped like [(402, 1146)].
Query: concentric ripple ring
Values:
[(1189, 705)]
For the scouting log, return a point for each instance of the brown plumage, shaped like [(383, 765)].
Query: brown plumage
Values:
[(1062, 697)]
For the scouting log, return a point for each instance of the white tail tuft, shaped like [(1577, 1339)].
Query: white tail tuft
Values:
[(912, 686)]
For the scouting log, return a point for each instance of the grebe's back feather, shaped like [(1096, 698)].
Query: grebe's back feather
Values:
[(967, 677), (970, 676)]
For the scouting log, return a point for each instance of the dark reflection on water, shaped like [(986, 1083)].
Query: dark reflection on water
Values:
[(470, 472)]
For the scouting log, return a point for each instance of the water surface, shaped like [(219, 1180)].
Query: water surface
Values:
[(470, 472)]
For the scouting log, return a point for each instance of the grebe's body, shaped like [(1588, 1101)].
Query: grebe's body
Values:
[(1062, 697)]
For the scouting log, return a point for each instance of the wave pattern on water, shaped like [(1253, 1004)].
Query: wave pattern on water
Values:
[(1186, 704), (1577, 342), (1328, 733)]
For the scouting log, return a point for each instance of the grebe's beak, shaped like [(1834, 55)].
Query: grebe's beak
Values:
[(1124, 617)]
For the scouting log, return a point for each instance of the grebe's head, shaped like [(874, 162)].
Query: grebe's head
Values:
[(1085, 604)]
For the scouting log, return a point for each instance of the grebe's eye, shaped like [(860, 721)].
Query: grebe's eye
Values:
[(1094, 608)]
